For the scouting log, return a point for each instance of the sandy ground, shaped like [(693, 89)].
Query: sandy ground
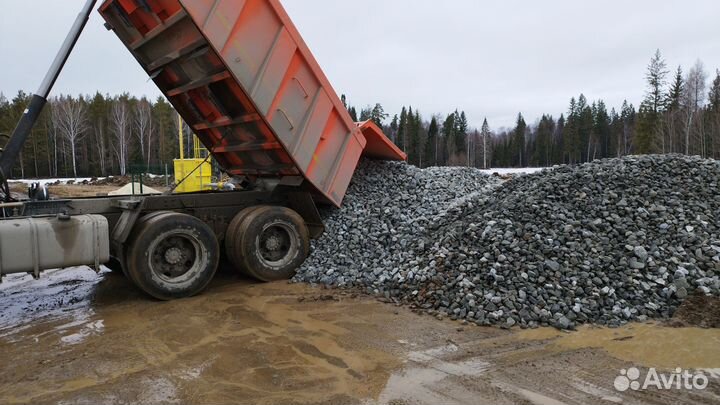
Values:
[(77, 337), (66, 190), (73, 190)]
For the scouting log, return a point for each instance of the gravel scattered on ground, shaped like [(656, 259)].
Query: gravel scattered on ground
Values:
[(607, 242)]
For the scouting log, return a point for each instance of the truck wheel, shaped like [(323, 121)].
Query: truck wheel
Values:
[(173, 256), (273, 243), (140, 227), (233, 234)]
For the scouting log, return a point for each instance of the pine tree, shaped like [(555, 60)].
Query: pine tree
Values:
[(402, 134), (168, 146), (411, 134), (629, 119), (644, 137), (420, 138), (365, 114), (570, 133), (585, 127), (602, 129), (461, 132), (518, 142), (615, 131), (656, 77), (714, 115), (558, 141), (653, 105), (378, 115), (677, 89), (448, 131), (543, 142), (394, 128), (431, 144), (714, 96), (485, 134)]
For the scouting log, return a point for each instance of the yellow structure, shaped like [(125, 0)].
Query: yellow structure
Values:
[(198, 181), (197, 172)]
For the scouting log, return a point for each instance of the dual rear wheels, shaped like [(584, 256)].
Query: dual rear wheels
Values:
[(267, 243), (172, 255)]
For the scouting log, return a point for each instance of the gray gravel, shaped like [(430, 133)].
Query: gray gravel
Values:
[(607, 242), (387, 219)]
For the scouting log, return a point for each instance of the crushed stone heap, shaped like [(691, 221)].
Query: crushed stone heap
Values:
[(606, 242)]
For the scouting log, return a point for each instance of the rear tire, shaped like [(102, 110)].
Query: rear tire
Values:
[(233, 234), (172, 255), (140, 227), (270, 244)]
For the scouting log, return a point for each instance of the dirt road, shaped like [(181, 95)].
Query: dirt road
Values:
[(77, 337)]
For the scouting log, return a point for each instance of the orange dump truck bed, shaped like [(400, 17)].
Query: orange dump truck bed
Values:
[(242, 77)]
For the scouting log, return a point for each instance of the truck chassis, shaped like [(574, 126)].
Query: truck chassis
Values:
[(215, 218)]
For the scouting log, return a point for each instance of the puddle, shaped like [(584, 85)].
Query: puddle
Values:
[(648, 345), (88, 329), (99, 340), (80, 338), (423, 377), (59, 295)]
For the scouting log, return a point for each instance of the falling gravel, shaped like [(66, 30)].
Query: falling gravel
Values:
[(607, 242)]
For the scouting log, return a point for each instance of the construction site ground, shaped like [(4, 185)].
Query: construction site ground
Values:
[(84, 338)]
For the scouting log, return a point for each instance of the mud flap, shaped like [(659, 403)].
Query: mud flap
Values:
[(132, 209)]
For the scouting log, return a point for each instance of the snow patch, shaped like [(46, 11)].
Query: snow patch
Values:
[(514, 171), (58, 180)]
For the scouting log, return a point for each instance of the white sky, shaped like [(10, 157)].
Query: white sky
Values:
[(491, 59)]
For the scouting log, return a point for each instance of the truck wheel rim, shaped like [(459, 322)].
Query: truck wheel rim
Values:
[(277, 244), (176, 257)]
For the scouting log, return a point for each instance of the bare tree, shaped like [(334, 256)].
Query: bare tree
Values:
[(69, 116), (100, 145), (485, 136), (694, 98), (120, 122), (144, 127)]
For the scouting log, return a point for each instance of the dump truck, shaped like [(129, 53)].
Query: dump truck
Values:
[(240, 75)]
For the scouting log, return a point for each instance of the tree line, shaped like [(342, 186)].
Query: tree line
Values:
[(680, 113), (101, 135)]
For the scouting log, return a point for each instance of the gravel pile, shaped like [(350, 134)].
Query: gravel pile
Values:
[(607, 242), (387, 220)]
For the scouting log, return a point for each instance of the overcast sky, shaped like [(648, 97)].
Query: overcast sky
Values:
[(492, 59)]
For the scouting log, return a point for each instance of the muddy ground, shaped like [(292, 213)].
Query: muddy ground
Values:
[(77, 337)]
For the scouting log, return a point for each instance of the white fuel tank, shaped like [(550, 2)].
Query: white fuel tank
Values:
[(31, 245)]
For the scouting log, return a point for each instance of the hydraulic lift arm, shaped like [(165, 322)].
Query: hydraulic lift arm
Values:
[(39, 99)]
